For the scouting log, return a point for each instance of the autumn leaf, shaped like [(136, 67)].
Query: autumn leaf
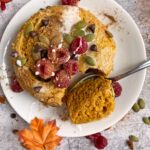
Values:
[(40, 136)]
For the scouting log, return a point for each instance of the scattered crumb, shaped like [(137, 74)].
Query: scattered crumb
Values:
[(2, 99), (15, 131), (13, 115), (130, 144)]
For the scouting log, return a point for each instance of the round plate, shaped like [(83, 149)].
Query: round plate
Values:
[(130, 51)]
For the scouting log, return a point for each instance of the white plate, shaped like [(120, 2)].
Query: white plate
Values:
[(130, 51)]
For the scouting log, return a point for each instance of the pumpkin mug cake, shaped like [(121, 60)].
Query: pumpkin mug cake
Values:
[(53, 46)]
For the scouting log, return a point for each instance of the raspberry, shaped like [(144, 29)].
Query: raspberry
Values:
[(79, 45), (15, 86), (44, 68), (100, 142), (70, 2), (93, 136), (58, 55), (3, 4), (71, 67), (117, 88), (61, 79)]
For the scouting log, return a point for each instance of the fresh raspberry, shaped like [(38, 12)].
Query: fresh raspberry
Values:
[(93, 136), (6, 1), (70, 2), (44, 68), (58, 56), (100, 142), (3, 4), (61, 79), (117, 88), (79, 45), (72, 67), (15, 86)]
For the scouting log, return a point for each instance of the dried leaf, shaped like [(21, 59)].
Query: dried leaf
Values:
[(2, 99), (130, 144), (40, 136)]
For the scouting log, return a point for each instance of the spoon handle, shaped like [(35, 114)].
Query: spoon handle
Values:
[(134, 70)]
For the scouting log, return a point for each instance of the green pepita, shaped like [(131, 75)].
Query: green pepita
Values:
[(57, 39), (90, 37), (133, 138), (146, 120), (136, 107), (44, 39), (68, 38), (109, 34), (81, 24), (76, 33), (20, 61), (89, 60), (28, 29), (141, 103), (36, 55), (41, 44)]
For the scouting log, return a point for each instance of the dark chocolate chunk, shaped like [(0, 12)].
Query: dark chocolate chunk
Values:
[(45, 22), (93, 47), (33, 33)]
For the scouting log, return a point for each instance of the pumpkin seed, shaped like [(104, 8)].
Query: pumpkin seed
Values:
[(90, 37), (20, 61), (28, 29), (81, 24), (68, 38), (109, 34), (76, 33), (43, 45), (36, 55), (133, 138), (44, 39), (56, 40), (146, 120), (136, 107), (141, 103), (89, 60)]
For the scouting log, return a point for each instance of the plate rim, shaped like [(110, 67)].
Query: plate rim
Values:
[(143, 75)]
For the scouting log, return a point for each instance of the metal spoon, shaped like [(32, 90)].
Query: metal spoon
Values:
[(116, 78)]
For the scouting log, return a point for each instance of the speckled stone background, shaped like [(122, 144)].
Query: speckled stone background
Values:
[(132, 124)]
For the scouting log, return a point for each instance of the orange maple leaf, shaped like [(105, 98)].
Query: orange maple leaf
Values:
[(40, 136)]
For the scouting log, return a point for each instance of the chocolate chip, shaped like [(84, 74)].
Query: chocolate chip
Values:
[(45, 22), (15, 131), (37, 88), (74, 57), (38, 48), (93, 47), (13, 115), (44, 54), (48, 6), (33, 33), (91, 28), (14, 54)]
